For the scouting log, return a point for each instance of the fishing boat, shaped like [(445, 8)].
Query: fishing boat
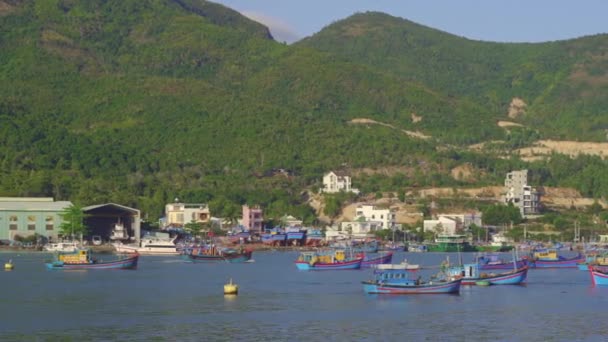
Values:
[(213, 253), (471, 274), (369, 261), (451, 243), (82, 260), (314, 237), (599, 275), (551, 259), (495, 261), (327, 260), (593, 259), (396, 279), (403, 265)]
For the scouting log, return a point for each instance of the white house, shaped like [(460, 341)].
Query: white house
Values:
[(368, 212), (442, 225), (337, 181), (178, 214), (360, 229)]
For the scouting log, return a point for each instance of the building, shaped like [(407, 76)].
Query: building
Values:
[(25, 216), (178, 214), (368, 212), (452, 224), (102, 219), (338, 181), (290, 221), (523, 196), (360, 229), (253, 219)]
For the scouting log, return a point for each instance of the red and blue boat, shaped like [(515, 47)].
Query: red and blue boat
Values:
[(330, 260), (472, 275), (396, 279), (599, 275), (81, 259), (369, 261), (551, 259)]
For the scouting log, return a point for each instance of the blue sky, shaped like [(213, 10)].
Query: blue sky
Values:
[(491, 20)]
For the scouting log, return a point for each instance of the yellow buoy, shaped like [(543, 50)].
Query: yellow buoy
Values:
[(231, 288), (9, 265)]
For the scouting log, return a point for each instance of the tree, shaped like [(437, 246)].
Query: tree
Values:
[(194, 228), (72, 222)]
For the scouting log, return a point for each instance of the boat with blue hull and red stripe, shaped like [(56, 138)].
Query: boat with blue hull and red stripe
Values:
[(551, 259), (471, 275), (497, 262), (397, 280), (330, 260), (599, 275), (82, 260)]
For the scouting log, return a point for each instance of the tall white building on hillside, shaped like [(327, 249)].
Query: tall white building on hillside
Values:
[(522, 195)]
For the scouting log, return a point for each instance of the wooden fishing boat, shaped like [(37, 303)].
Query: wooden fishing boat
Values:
[(327, 260), (395, 279), (369, 261), (471, 274), (215, 254), (82, 260)]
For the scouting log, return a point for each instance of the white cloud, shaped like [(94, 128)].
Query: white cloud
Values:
[(281, 31)]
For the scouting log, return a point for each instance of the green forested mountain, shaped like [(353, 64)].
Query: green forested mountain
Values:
[(140, 101), (561, 82)]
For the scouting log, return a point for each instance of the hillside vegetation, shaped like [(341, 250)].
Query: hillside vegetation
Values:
[(141, 101)]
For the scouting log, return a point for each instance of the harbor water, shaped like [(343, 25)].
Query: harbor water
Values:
[(169, 299)]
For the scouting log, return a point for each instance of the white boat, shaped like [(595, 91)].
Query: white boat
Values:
[(65, 246), (119, 232), (404, 265), (152, 245)]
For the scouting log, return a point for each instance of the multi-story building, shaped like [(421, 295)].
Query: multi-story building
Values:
[(178, 214), (253, 219), (25, 216), (337, 181), (523, 196), (452, 224), (368, 212)]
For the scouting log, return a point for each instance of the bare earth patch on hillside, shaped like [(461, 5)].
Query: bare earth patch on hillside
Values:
[(6, 9), (571, 148), (414, 134)]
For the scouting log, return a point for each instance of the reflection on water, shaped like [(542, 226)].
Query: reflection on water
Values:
[(168, 299)]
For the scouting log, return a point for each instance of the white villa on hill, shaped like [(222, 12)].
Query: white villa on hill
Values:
[(337, 181), (452, 224), (371, 213)]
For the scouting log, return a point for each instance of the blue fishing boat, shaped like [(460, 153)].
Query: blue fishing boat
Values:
[(396, 279), (327, 260), (369, 261), (495, 261), (599, 275), (81, 259), (551, 259), (212, 253), (314, 237), (471, 274)]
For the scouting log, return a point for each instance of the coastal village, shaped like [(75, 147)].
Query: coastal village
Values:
[(109, 223)]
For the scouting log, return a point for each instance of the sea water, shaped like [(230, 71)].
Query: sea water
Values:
[(169, 299)]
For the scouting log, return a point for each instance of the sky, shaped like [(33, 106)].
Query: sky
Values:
[(489, 20)]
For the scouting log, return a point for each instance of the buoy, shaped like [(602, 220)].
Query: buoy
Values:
[(9, 265), (231, 288)]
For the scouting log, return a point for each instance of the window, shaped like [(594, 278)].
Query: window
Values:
[(31, 222), (12, 225), (49, 223)]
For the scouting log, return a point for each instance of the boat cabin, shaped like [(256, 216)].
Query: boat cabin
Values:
[(326, 258), (547, 254), (78, 257), (398, 275)]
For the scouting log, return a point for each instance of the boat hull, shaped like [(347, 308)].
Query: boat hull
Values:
[(509, 278), (320, 266), (231, 257), (503, 265), (597, 277), (382, 259), (127, 263), (564, 263), (430, 288)]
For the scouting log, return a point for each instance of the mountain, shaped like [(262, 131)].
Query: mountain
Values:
[(141, 101), (559, 83)]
